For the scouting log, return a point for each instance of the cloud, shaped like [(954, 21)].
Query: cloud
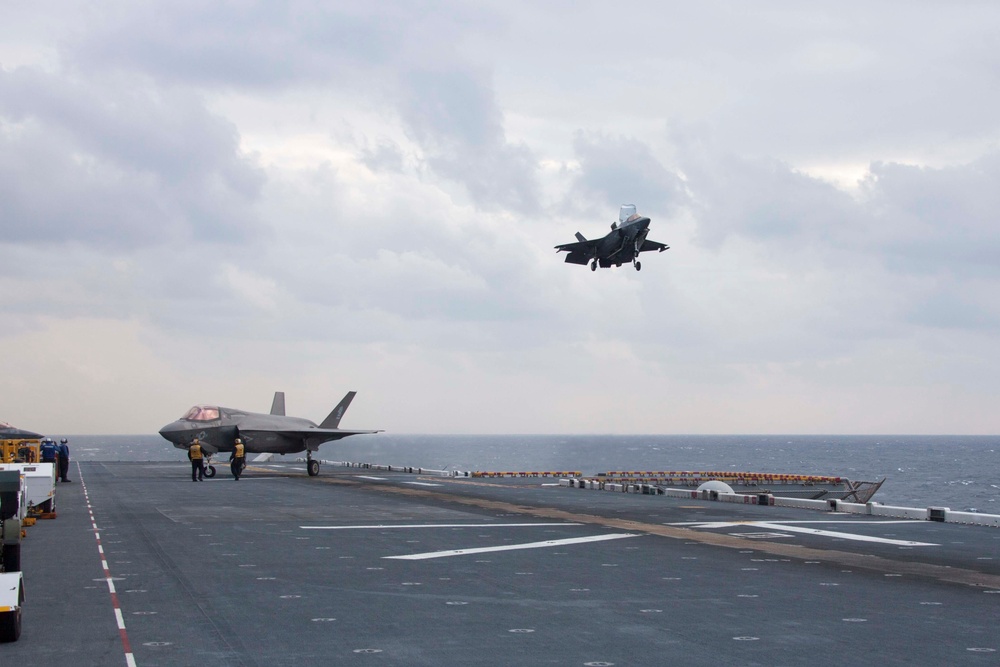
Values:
[(453, 116), (940, 221), (112, 163), (248, 195), (397, 54), (616, 170)]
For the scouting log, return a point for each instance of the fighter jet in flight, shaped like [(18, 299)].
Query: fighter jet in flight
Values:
[(217, 428), (626, 240)]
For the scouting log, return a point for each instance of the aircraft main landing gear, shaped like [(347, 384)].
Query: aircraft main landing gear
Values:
[(638, 266), (593, 265), (312, 465)]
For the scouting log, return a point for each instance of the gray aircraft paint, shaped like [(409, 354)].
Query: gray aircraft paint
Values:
[(217, 428), (620, 246)]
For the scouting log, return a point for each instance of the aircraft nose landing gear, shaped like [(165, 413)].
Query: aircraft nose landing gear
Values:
[(593, 265), (312, 465), (638, 266)]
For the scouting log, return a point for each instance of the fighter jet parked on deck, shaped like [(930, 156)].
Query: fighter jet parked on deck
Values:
[(626, 240), (217, 429)]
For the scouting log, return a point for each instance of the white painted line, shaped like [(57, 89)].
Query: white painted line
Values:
[(438, 525), (378, 479), (512, 547), (118, 617), (726, 524), (785, 527), (422, 484)]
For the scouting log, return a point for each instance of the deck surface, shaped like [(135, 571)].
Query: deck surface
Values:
[(283, 569)]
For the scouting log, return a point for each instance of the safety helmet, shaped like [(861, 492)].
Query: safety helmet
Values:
[(238, 441), (195, 441), (64, 441)]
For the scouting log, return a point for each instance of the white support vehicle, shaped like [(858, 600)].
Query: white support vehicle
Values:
[(13, 509), (11, 599), (13, 505), (39, 485)]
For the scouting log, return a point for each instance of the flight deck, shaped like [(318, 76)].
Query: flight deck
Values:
[(372, 567)]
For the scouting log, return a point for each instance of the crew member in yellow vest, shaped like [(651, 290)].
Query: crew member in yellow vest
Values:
[(237, 459), (197, 461)]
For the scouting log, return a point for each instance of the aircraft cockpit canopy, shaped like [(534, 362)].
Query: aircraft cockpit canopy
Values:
[(202, 413), (627, 213)]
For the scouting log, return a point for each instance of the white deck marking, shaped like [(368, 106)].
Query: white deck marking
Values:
[(785, 526), (725, 524), (421, 483), (512, 547), (438, 525), (378, 479)]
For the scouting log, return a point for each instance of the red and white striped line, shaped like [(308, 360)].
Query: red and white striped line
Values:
[(129, 657)]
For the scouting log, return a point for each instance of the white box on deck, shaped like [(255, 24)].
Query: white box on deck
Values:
[(39, 481)]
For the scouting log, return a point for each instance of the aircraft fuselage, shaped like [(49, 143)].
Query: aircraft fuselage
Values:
[(621, 246), (259, 432)]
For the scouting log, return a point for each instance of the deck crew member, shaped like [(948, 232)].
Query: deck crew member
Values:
[(48, 450), (197, 461), (63, 450), (237, 459)]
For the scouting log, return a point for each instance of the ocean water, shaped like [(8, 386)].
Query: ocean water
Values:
[(960, 472)]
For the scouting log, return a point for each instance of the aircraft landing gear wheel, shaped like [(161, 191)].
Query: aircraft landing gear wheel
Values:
[(10, 625), (593, 265), (210, 472), (638, 266), (313, 467)]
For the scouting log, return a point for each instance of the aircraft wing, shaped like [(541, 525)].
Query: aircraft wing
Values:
[(587, 247), (648, 245), (580, 252), (314, 437)]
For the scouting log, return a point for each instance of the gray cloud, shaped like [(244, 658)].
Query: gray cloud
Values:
[(617, 170), (937, 221), (417, 162), (256, 45), (113, 163), (908, 219), (453, 116), (400, 54)]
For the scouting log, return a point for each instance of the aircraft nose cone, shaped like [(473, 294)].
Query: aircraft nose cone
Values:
[(172, 432)]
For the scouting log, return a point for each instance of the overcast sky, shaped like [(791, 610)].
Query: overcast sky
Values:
[(206, 202)]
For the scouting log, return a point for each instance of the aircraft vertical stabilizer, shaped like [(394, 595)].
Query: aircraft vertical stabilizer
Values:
[(333, 419), (278, 404)]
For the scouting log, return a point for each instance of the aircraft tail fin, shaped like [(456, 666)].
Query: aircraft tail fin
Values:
[(580, 237), (278, 404), (333, 419)]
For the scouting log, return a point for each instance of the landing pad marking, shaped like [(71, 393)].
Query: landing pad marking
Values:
[(512, 547), (438, 525), (786, 527)]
